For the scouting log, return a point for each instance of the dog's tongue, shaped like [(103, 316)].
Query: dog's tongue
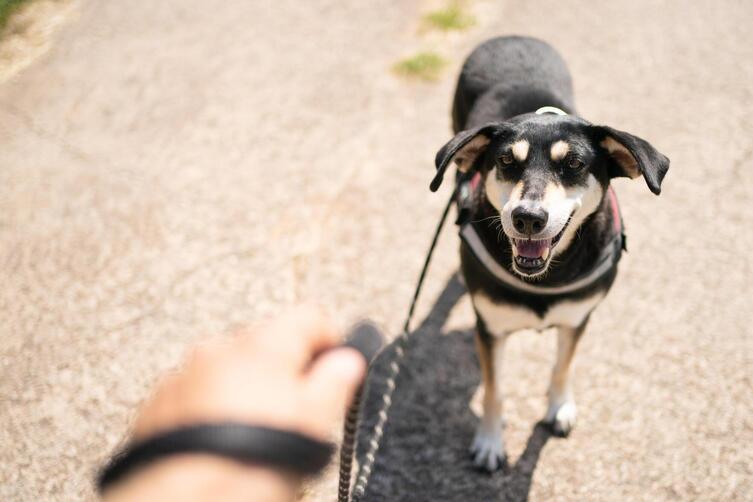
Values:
[(532, 249)]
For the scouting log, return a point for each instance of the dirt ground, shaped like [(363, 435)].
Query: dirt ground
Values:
[(169, 170)]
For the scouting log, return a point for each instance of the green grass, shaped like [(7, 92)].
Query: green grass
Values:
[(6, 9), (424, 65), (450, 18)]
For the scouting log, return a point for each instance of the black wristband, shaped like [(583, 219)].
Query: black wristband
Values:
[(287, 450)]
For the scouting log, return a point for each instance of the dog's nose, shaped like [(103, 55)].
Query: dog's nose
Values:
[(529, 220)]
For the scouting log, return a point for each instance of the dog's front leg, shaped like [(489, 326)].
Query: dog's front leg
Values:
[(488, 448), (562, 412)]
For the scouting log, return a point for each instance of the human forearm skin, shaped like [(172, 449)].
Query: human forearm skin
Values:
[(202, 478)]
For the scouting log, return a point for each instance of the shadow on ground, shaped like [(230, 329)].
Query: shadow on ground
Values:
[(424, 452)]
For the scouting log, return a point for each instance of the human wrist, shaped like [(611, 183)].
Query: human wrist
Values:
[(198, 477)]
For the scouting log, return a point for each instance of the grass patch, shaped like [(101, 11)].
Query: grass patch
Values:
[(7, 7), (450, 18), (424, 65)]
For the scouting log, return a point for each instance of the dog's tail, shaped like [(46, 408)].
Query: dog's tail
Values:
[(508, 76)]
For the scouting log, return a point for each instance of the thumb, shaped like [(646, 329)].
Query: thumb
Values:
[(331, 383)]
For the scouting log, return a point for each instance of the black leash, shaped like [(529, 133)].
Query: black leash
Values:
[(350, 428)]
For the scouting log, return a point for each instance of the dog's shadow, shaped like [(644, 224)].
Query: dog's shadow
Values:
[(424, 452)]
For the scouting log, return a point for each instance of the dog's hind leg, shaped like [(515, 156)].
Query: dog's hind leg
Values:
[(488, 449), (562, 412)]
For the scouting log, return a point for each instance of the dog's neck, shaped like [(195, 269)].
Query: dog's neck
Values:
[(581, 254)]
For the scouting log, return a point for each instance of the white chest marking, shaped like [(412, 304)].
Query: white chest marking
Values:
[(504, 318)]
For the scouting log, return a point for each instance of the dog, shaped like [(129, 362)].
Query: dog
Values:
[(541, 232)]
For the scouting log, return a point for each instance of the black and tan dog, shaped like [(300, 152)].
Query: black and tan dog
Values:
[(540, 227)]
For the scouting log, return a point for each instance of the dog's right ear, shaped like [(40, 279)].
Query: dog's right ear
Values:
[(464, 149), (633, 156)]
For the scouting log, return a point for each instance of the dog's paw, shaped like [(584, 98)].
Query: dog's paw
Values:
[(561, 417), (488, 450)]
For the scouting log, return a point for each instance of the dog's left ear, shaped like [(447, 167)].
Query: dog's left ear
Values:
[(633, 157), (464, 149)]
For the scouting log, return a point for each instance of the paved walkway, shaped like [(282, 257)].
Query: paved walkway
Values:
[(169, 170)]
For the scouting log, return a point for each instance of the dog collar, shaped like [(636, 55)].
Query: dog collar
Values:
[(609, 257), (551, 110)]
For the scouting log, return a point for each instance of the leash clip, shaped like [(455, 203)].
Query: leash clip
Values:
[(466, 196)]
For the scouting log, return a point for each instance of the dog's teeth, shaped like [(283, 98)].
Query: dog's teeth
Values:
[(545, 255)]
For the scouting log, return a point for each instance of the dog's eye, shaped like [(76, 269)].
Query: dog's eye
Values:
[(575, 163), (506, 159)]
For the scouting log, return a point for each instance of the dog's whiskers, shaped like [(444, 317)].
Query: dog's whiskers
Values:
[(492, 217)]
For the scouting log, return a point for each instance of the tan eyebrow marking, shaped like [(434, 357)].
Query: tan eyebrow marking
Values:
[(520, 150), (559, 150)]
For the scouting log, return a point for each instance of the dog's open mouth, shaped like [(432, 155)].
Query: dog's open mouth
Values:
[(531, 256)]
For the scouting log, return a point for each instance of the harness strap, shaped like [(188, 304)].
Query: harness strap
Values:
[(605, 262)]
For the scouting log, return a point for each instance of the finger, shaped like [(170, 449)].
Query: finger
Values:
[(294, 338), (332, 380)]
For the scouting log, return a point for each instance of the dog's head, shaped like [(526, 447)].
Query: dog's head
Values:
[(546, 174)]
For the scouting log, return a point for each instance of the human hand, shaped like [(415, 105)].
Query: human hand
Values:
[(264, 375), (285, 374)]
